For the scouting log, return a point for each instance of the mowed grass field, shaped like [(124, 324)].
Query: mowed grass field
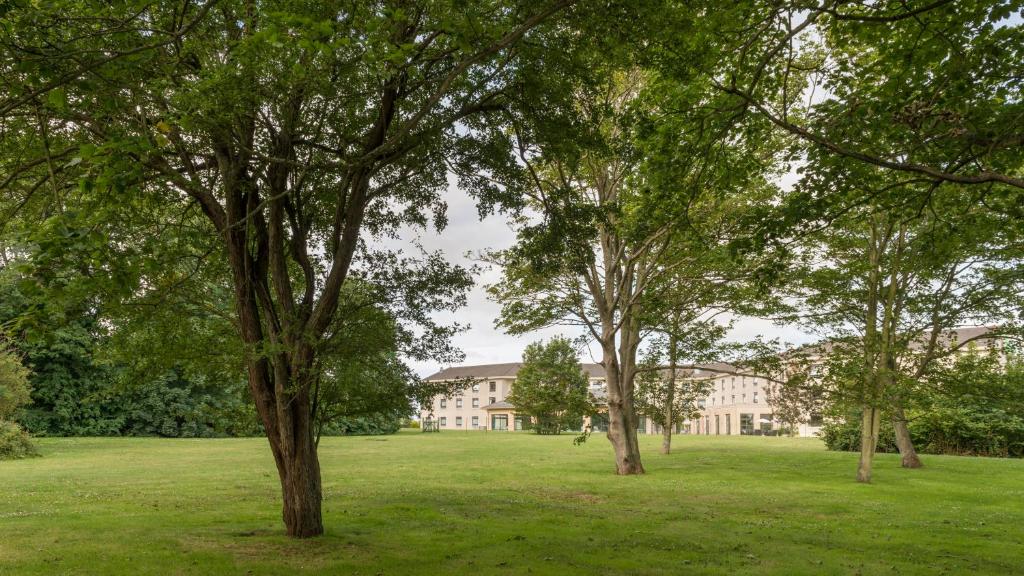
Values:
[(507, 503)]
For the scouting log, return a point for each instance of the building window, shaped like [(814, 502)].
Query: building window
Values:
[(458, 421), (458, 402), (746, 424), (707, 425), (492, 400), (499, 422), (444, 421), (494, 386), (744, 398), (815, 420), (755, 396), (476, 387), (701, 404), (476, 421), (718, 425), (733, 399), (444, 403), (765, 420), (476, 402), (728, 424)]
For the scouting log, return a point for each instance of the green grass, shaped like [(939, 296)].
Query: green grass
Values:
[(494, 503)]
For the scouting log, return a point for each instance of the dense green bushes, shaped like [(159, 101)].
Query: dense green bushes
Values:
[(961, 431), (974, 407), (364, 425)]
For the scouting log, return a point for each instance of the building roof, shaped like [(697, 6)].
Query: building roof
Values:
[(507, 370), (498, 406)]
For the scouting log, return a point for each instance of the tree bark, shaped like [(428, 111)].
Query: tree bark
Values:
[(670, 393), (624, 438), (301, 488), (908, 455), (621, 417), (871, 421)]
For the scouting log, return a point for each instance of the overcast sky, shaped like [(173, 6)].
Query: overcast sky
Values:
[(482, 343)]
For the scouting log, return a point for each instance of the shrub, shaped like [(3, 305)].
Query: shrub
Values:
[(844, 435), (363, 425), (14, 442)]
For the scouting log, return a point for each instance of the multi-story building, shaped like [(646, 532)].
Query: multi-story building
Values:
[(737, 404), (482, 405), (737, 401)]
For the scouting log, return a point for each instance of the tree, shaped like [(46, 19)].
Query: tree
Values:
[(14, 386), (293, 127), (551, 387), (891, 281)]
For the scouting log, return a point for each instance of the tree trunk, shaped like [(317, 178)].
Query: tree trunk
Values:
[(670, 393), (908, 455), (871, 422), (301, 488), (624, 438), (621, 418)]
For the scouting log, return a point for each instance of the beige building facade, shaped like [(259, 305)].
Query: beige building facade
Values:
[(482, 405)]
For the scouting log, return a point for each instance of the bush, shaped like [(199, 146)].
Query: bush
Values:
[(963, 431), (844, 435), (14, 442), (373, 425), (969, 431)]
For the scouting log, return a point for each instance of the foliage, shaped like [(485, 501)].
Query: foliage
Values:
[(15, 443), (844, 434), (374, 425), (551, 387), (14, 383), (973, 407)]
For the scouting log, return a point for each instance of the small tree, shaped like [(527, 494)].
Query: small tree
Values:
[(551, 387), (14, 393), (14, 387)]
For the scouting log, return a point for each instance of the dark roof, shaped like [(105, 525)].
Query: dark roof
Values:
[(508, 370), (498, 406), (946, 338)]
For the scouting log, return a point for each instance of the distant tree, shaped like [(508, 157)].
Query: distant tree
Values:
[(551, 387), (666, 390)]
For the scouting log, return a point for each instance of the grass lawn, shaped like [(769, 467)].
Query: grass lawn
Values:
[(507, 503)]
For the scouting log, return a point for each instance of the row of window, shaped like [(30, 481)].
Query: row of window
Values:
[(747, 424), (492, 387), (743, 383), (743, 398), (475, 421), (475, 403)]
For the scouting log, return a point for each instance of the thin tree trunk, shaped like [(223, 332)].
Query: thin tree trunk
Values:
[(908, 455), (871, 422), (670, 396), (666, 433)]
